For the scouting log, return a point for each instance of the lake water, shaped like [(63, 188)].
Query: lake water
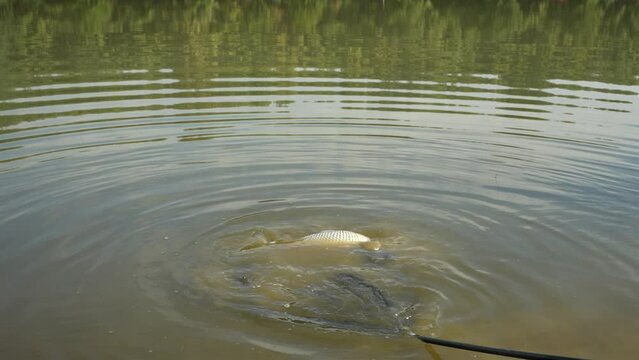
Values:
[(156, 159)]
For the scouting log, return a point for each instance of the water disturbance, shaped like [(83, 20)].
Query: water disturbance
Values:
[(160, 163)]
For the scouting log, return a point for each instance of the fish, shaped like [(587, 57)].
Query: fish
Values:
[(365, 291), (327, 238), (342, 302), (340, 238)]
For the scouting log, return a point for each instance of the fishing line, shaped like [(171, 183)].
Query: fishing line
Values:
[(491, 350), (368, 292)]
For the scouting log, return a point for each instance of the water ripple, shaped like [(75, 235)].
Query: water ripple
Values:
[(487, 198)]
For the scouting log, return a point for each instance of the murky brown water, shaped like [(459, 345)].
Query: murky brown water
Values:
[(491, 148)]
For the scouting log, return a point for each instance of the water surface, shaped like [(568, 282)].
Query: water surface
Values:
[(491, 147)]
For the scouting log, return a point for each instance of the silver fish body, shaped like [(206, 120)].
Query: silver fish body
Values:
[(335, 238)]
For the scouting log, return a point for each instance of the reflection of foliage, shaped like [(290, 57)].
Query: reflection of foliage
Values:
[(525, 41)]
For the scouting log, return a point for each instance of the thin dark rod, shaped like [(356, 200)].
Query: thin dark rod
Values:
[(491, 350)]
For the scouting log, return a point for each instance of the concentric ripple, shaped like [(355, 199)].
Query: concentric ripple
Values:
[(493, 204)]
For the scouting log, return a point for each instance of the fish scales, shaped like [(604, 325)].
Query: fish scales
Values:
[(336, 237)]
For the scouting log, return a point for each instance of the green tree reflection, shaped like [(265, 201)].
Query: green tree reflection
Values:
[(524, 42)]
